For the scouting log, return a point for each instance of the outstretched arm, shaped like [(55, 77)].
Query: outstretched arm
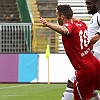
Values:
[(94, 39), (57, 28)]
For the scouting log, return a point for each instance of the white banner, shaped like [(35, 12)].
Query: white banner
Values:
[(59, 67)]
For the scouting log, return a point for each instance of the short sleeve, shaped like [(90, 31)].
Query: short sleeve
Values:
[(69, 27)]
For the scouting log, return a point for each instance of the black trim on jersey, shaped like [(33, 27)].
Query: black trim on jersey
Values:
[(98, 21)]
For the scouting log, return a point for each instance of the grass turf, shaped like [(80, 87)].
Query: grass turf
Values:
[(31, 91)]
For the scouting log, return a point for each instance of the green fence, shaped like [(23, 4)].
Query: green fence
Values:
[(25, 18), (15, 37), (24, 11)]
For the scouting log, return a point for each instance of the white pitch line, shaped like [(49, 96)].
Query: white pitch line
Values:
[(14, 86), (13, 95)]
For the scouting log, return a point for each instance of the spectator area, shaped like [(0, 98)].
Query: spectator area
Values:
[(46, 9)]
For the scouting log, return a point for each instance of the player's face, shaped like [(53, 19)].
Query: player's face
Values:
[(91, 6), (59, 19)]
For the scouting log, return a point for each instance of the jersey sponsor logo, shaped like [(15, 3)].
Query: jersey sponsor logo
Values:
[(85, 52)]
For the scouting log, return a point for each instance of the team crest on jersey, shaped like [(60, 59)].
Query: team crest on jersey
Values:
[(91, 21)]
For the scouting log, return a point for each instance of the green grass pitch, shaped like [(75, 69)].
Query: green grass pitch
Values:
[(31, 91)]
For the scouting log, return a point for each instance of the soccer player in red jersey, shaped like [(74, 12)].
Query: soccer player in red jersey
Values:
[(93, 8), (75, 41)]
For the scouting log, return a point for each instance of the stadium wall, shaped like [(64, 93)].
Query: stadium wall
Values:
[(33, 68), (18, 67), (59, 67)]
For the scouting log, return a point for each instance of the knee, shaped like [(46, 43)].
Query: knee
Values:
[(95, 93), (70, 84)]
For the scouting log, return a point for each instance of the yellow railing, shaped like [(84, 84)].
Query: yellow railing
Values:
[(43, 36)]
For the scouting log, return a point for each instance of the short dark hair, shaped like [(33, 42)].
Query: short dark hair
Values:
[(96, 0), (65, 10)]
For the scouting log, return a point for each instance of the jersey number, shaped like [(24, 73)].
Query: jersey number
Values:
[(83, 39)]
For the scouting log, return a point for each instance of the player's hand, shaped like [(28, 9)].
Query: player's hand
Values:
[(43, 21)]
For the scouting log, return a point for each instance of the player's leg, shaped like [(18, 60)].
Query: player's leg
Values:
[(84, 84), (97, 55), (68, 94), (95, 96)]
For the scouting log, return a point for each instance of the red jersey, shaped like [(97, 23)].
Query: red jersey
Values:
[(76, 45)]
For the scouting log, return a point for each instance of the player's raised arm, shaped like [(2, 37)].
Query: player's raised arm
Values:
[(55, 27)]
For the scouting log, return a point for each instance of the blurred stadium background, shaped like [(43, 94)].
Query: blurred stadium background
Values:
[(21, 31), (23, 42), (23, 39)]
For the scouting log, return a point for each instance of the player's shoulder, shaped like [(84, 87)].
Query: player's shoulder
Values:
[(75, 23), (79, 23), (97, 14)]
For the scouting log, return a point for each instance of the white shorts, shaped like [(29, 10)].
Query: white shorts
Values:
[(72, 77), (97, 55)]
